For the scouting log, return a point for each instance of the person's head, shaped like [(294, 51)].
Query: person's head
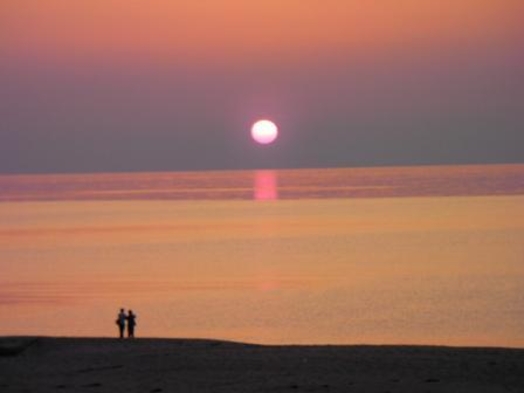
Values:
[(130, 312), (122, 310)]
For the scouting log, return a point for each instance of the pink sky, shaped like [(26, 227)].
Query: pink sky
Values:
[(231, 30), (114, 84)]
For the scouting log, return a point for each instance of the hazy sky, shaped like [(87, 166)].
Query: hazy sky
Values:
[(124, 85)]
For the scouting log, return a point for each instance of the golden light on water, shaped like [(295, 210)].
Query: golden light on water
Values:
[(427, 270)]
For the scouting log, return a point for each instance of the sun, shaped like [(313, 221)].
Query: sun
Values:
[(264, 131)]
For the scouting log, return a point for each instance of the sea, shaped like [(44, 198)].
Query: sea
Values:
[(389, 255)]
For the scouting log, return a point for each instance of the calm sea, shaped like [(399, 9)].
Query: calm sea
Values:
[(414, 255)]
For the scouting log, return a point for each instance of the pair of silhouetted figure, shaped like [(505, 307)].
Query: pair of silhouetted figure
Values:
[(124, 319)]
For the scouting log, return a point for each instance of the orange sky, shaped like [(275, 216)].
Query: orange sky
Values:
[(229, 30), (387, 82)]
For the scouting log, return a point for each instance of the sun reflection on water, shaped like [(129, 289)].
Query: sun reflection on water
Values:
[(265, 185)]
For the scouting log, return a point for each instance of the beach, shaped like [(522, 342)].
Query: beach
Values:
[(279, 196), (48, 364)]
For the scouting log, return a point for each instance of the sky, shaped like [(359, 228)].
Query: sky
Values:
[(141, 85)]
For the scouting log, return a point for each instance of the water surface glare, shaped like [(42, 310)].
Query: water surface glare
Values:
[(284, 258)]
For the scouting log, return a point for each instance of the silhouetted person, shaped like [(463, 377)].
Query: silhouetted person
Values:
[(131, 323), (121, 322)]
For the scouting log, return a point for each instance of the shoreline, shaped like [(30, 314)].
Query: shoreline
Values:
[(74, 364), (9, 341)]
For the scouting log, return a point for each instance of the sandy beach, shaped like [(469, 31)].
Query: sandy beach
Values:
[(46, 364)]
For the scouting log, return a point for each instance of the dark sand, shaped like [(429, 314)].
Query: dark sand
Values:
[(178, 365)]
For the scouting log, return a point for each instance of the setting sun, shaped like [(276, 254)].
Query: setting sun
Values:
[(264, 131)]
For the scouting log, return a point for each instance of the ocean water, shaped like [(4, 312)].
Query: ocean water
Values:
[(414, 255)]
